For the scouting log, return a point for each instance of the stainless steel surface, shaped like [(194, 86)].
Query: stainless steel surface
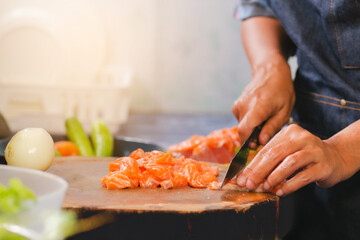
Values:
[(168, 129), (123, 146), (240, 159)]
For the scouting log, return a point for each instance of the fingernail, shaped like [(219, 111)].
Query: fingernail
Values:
[(249, 184), (267, 185), (241, 181), (279, 192)]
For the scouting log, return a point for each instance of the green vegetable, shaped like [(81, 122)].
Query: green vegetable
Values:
[(102, 139), (77, 135), (12, 197), (57, 154), (57, 224), (11, 203), (253, 151), (5, 235), (60, 225)]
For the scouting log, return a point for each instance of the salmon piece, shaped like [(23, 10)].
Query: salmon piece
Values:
[(148, 180), (130, 167), (188, 144), (159, 171), (195, 178), (191, 173), (227, 138), (222, 155), (114, 166), (151, 156), (156, 168), (124, 164), (137, 154), (117, 180), (231, 185), (165, 159), (180, 180), (166, 184), (179, 160), (219, 146), (214, 185), (124, 173), (141, 162), (204, 167)]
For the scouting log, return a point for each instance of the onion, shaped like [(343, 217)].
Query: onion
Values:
[(31, 148)]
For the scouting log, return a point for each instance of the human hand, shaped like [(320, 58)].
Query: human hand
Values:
[(293, 159), (268, 97)]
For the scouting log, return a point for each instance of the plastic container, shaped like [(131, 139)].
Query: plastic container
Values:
[(49, 190), (49, 105), (54, 64)]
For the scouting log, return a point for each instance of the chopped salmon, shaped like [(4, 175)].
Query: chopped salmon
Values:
[(158, 169), (219, 146)]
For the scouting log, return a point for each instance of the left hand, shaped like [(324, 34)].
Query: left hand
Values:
[(291, 160)]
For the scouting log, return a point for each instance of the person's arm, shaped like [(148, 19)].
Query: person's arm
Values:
[(294, 157), (264, 37), (270, 94)]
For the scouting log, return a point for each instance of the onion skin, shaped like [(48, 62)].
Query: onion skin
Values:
[(31, 148)]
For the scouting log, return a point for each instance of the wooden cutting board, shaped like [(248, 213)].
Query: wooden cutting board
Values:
[(85, 192)]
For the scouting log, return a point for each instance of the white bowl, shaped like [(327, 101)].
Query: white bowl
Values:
[(48, 188)]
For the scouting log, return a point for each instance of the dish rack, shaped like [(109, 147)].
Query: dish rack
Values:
[(55, 62), (48, 105)]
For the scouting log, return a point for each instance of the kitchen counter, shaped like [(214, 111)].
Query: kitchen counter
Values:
[(167, 129), (268, 220)]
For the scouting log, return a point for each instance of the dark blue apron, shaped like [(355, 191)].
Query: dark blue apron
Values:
[(326, 34)]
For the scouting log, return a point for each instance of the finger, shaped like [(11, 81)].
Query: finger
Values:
[(248, 123), (288, 167), (300, 180), (268, 158), (235, 110), (272, 126), (262, 165)]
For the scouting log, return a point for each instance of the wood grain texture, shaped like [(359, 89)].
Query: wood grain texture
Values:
[(85, 192)]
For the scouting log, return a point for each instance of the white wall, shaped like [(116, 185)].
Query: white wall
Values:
[(186, 55)]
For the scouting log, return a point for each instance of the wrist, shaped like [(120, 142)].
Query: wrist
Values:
[(348, 160), (270, 61)]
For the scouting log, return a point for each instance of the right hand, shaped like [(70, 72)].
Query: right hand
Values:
[(268, 97)]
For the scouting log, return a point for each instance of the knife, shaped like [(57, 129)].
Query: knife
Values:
[(240, 159)]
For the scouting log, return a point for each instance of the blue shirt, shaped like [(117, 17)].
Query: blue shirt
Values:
[(327, 37), (326, 34), (253, 8)]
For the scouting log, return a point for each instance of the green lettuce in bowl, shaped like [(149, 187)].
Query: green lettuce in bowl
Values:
[(30, 205)]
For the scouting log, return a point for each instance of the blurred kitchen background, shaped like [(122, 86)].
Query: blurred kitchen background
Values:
[(106, 59)]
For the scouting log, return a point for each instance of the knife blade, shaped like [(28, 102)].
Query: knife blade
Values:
[(240, 159)]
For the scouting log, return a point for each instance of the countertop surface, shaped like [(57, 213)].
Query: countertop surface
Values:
[(269, 220), (167, 129)]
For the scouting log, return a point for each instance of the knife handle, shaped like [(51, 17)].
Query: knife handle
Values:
[(254, 137)]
